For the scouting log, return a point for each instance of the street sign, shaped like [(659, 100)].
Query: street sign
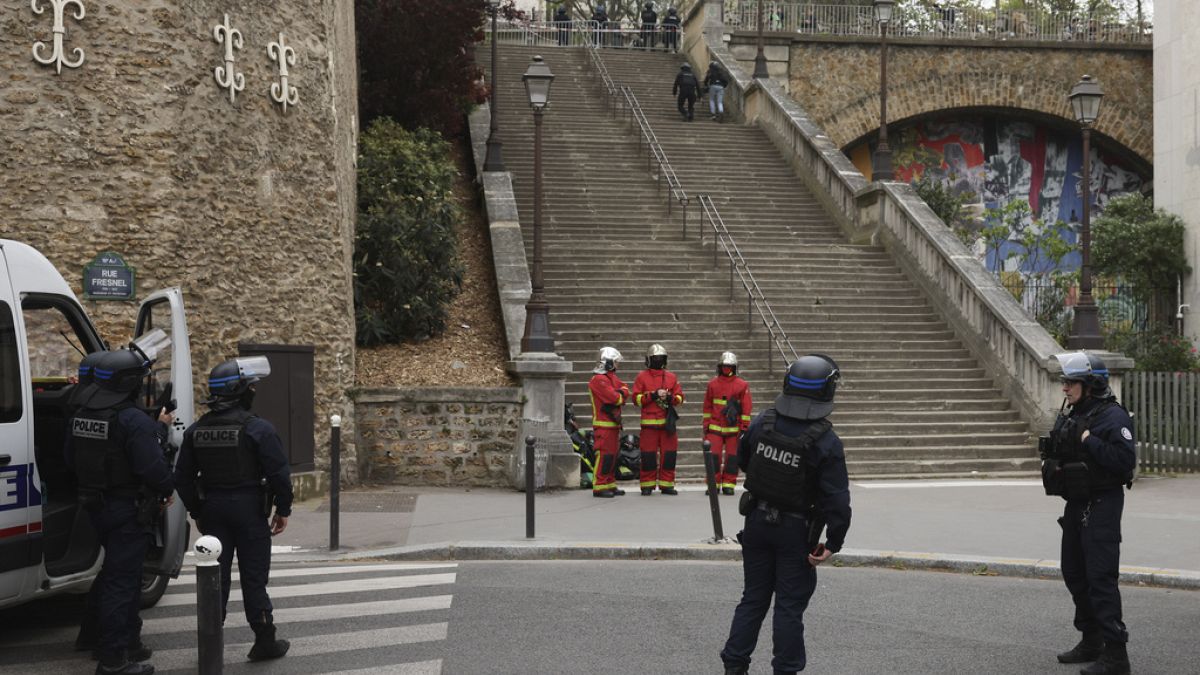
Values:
[(108, 277)]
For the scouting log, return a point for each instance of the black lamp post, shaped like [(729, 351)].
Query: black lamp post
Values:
[(493, 161), (760, 59), (537, 337), (883, 153), (1085, 329)]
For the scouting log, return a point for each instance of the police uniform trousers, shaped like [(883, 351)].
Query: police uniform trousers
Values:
[(724, 451), (236, 518), (690, 99), (659, 452), (119, 596), (1091, 555), (774, 562), (606, 441)]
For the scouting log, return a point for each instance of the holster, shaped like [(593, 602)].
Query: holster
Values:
[(148, 508), (747, 503), (1076, 482), (268, 499)]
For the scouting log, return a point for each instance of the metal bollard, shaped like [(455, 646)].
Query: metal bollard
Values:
[(529, 486), (210, 639), (711, 478), (335, 479)]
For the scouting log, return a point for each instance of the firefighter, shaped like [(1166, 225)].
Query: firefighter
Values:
[(607, 393), (727, 412), (656, 391)]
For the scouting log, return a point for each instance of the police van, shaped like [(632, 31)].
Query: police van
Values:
[(47, 544)]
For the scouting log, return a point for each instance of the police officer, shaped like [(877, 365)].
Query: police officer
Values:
[(240, 462), (649, 25), (563, 22), (116, 451), (670, 29), (796, 484), (684, 90), (1088, 459)]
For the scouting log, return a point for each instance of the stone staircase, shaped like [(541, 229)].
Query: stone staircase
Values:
[(913, 401)]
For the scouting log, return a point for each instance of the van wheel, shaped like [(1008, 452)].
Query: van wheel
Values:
[(153, 587)]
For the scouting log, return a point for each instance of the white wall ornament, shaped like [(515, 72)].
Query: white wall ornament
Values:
[(57, 56), (227, 76), (281, 92)]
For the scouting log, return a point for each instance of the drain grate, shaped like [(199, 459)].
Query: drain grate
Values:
[(373, 502)]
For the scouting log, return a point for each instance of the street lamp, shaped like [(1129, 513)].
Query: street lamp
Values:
[(760, 59), (537, 337), (492, 160), (1085, 329), (883, 153)]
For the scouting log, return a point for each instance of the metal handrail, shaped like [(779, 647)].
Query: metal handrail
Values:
[(610, 35), (755, 298), (944, 22)]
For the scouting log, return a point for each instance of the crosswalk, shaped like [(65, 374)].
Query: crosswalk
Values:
[(340, 619)]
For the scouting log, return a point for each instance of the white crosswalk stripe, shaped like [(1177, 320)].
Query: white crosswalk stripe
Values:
[(371, 622)]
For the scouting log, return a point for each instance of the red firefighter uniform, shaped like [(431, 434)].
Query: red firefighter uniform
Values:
[(727, 413), (656, 442), (608, 393)]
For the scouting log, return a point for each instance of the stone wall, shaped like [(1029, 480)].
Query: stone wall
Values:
[(437, 436), (247, 207), (836, 79)]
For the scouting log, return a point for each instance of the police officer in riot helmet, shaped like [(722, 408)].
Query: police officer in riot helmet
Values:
[(796, 485), (232, 469), (124, 480), (1088, 460)]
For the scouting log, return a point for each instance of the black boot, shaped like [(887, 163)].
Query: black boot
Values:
[(646, 492), (1114, 661), (1088, 649), (669, 491), (118, 664), (265, 645), (736, 670)]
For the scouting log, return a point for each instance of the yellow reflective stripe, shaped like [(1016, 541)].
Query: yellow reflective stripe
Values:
[(707, 415), (720, 401), (745, 418), (601, 487), (648, 483), (637, 398), (725, 430), (620, 399), (648, 422), (603, 424), (663, 483), (678, 399)]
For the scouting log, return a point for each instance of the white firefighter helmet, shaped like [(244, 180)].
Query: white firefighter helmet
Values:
[(656, 356), (609, 358), (727, 359)]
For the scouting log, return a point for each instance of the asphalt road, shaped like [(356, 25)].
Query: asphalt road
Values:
[(620, 616)]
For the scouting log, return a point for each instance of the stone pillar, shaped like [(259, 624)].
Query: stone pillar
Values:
[(543, 390)]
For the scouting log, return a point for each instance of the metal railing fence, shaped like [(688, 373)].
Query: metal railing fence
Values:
[(1125, 315), (607, 35), (964, 23), (755, 298), (1166, 418)]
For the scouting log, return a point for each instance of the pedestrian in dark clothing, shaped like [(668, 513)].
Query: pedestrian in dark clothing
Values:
[(116, 451), (649, 26), (796, 485), (670, 29), (685, 89), (563, 22), (243, 472), (716, 81), (1088, 460)]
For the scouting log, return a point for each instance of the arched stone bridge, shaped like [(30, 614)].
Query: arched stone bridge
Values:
[(836, 79)]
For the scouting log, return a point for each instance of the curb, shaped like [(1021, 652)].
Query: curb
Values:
[(727, 550)]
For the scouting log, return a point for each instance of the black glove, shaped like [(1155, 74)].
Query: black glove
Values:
[(654, 396)]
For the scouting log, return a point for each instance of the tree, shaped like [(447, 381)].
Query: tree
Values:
[(1144, 246), (416, 61)]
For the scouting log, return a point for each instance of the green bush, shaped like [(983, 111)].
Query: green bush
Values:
[(1143, 246), (406, 270), (1164, 352), (947, 205)]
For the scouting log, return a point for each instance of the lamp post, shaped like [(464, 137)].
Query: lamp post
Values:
[(883, 153), (537, 337), (493, 161), (760, 59), (1085, 329)]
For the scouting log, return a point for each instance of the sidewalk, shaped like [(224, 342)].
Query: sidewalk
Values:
[(1003, 526)]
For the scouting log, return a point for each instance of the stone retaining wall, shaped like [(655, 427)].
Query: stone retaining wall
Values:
[(437, 436)]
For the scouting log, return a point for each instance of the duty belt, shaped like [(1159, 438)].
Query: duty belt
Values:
[(763, 506)]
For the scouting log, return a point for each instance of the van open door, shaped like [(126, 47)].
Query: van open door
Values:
[(172, 372), (16, 539)]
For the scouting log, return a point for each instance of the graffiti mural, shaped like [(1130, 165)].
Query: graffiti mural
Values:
[(993, 161)]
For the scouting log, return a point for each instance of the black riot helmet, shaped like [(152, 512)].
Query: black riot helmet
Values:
[(649, 6), (687, 67), (809, 387), (1086, 368), (83, 388), (116, 378), (231, 383)]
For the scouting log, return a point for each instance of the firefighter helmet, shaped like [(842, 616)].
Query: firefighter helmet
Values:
[(727, 359), (656, 357), (609, 359)]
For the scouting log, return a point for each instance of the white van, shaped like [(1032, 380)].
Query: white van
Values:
[(47, 544)]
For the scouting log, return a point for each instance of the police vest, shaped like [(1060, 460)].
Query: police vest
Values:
[(778, 471), (101, 464), (224, 452), (1075, 473)]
